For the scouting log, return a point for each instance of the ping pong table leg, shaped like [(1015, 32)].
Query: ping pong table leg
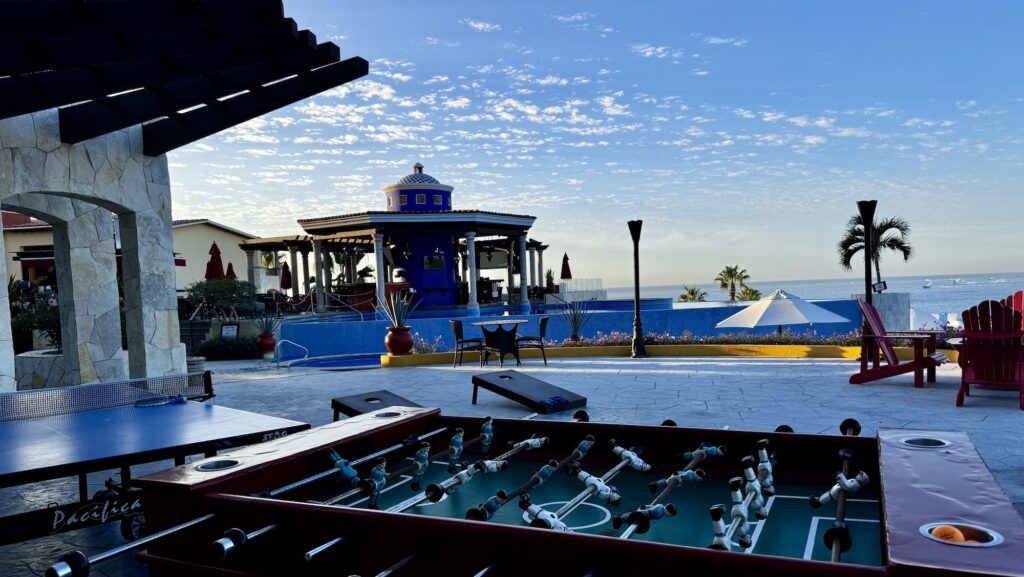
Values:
[(179, 460), (83, 487), (476, 388), (126, 475)]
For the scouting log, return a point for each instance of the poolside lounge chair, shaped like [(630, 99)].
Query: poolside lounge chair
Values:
[(874, 332), (463, 344), (991, 352), (536, 342)]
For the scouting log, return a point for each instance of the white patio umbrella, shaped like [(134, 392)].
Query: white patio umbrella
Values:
[(780, 308)]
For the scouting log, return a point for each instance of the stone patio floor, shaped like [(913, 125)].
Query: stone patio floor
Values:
[(811, 395)]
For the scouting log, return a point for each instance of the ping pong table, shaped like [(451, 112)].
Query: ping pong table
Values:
[(62, 432)]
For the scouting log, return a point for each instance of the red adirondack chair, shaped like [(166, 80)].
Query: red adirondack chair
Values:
[(874, 332), (1015, 302), (991, 353)]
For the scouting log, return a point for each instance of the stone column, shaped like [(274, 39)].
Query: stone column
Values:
[(542, 282), (533, 267), (250, 269), (295, 271), (318, 268), (84, 254), (524, 297), (151, 304), (378, 255), (474, 306), (8, 381), (305, 271)]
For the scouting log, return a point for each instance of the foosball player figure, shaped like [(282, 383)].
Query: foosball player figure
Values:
[(541, 517), (739, 512), (842, 484), (347, 474), (631, 455), (583, 448), (455, 450), (544, 473), (720, 541), (676, 479), (753, 486), (377, 480), (603, 490), (705, 451), (422, 460), (486, 435), (764, 468), (489, 507), (643, 516)]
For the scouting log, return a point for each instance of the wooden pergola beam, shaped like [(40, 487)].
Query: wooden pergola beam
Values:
[(53, 88), (91, 119), (164, 135)]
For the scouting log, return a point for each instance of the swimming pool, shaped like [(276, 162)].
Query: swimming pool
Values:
[(362, 361)]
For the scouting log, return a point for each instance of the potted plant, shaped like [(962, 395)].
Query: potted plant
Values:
[(396, 309), (266, 325)]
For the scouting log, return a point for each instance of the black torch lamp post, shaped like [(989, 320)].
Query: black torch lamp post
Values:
[(867, 219), (638, 327)]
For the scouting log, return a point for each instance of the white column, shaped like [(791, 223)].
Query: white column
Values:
[(250, 269), (511, 270), (8, 382), (471, 280), (378, 253), (524, 297), (540, 269), (295, 271), (533, 267), (318, 269), (305, 271)]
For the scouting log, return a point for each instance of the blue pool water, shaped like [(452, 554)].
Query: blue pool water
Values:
[(344, 361)]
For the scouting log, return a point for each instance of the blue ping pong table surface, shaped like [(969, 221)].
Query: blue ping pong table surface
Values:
[(50, 447)]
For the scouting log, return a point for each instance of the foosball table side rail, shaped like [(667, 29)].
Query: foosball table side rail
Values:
[(376, 540)]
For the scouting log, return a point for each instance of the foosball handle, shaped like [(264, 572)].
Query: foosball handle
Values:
[(784, 429), (838, 531), (73, 564), (669, 423), (581, 416), (850, 427)]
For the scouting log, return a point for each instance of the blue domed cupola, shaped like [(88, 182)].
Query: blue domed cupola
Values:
[(418, 192)]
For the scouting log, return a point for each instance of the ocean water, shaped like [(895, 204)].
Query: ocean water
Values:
[(948, 294)]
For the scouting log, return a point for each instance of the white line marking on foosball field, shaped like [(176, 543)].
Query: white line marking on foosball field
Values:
[(558, 504), (758, 525), (813, 532)]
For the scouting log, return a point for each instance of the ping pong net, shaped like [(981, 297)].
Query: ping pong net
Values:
[(78, 398)]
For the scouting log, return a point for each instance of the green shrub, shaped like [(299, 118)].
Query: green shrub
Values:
[(219, 349), (222, 294)]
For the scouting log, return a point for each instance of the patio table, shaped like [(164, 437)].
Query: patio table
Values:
[(500, 341)]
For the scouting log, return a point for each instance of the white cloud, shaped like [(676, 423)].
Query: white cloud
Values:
[(699, 72), (610, 107), (480, 26), (814, 140), (966, 104), (576, 17), (460, 102), (743, 113), (551, 80), (432, 41), (730, 40), (436, 79), (650, 51), (853, 133)]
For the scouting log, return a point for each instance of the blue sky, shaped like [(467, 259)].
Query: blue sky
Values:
[(740, 132)]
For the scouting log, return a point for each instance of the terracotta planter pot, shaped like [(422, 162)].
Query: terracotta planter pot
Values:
[(398, 341), (266, 343)]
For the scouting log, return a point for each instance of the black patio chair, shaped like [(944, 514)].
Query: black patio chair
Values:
[(463, 344), (536, 342)]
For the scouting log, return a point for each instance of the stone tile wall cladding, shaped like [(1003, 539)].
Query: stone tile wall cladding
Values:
[(76, 188)]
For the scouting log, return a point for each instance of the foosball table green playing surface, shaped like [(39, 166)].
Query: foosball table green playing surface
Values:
[(407, 491)]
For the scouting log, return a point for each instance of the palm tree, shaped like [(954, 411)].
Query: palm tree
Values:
[(889, 234), (749, 294), (693, 294), (730, 277)]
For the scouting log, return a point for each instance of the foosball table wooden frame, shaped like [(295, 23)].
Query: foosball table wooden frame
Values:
[(923, 478)]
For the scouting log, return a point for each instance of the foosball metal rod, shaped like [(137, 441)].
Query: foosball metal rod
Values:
[(734, 525), (321, 548), (331, 472), (235, 538), (698, 458), (443, 486), (486, 570), (76, 563), (580, 416), (401, 563), (590, 491), (398, 472), (851, 428)]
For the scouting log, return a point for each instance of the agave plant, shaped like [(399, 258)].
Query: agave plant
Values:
[(266, 325), (398, 307), (576, 315)]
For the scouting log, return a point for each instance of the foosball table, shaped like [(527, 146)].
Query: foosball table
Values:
[(408, 491)]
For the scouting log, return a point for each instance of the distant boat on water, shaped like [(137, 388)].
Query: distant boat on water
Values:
[(958, 280), (927, 283)]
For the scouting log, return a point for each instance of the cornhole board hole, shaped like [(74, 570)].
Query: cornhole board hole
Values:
[(539, 396)]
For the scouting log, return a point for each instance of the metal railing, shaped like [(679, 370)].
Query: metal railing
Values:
[(277, 350), (343, 303)]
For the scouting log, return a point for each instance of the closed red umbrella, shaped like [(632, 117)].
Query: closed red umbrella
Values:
[(214, 268), (286, 277), (230, 274), (566, 273)]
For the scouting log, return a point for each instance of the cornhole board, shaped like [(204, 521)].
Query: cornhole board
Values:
[(353, 405), (539, 396)]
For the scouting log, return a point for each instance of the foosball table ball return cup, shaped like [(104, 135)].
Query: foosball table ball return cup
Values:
[(961, 534)]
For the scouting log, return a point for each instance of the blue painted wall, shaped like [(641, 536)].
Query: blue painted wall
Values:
[(430, 195), (435, 287), (347, 337)]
